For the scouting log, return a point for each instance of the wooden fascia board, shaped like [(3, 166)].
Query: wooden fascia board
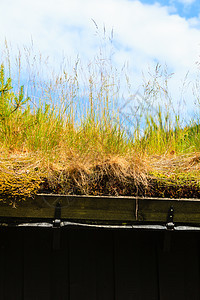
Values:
[(103, 208)]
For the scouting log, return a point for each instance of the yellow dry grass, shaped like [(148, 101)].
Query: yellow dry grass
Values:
[(23, 175)]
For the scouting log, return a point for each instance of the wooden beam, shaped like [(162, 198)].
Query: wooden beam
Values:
[(97, 208), (156, 210)]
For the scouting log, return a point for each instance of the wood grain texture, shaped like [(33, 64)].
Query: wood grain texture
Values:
[(119, 209), (98, 264)]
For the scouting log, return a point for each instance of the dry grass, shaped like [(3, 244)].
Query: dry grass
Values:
[(70, 142), (25, 174), (175, 176)]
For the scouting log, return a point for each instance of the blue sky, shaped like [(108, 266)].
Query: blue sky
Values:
[(184, 8), (145, 32)]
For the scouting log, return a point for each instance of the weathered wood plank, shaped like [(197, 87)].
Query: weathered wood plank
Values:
[(135, 265), (37, 261), (100, 209), (121, 209), (13, 265), (179, 267), (156, 210), (74, 207)]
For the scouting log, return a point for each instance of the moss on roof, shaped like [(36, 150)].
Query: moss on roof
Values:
[(23, 175)]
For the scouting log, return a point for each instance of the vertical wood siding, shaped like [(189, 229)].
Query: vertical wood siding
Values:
[(98, 264)]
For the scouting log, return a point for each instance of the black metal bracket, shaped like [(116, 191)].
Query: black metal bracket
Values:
[(170, 219), (56, 227), (57, 216), (170, 227)]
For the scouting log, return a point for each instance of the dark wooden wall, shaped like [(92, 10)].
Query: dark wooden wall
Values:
[(101, 264)]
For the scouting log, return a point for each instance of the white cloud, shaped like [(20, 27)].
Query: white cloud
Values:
[(142, 33), (67, 25)]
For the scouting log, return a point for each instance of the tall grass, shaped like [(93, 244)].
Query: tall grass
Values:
[(69, 122), (79, 109), (74, 108)]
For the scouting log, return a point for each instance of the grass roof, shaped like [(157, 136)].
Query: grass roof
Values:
[(79, 144), (25, 174)]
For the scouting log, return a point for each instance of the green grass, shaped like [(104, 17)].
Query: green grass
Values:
[(72, 139)]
